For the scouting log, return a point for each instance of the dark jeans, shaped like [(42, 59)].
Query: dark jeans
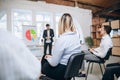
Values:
[(46, 46), (110, 70), (56, 72)]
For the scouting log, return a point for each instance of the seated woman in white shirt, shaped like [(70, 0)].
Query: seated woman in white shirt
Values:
[(67, 44), (16, 60)]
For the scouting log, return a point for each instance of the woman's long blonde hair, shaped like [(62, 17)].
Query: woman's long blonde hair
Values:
[(66, 23)]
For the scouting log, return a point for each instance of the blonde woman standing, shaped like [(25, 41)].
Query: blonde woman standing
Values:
[(67, 44)]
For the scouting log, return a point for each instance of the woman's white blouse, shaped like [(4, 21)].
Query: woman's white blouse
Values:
[(66, 45)]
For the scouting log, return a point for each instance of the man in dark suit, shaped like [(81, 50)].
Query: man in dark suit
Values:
[(48, 35)]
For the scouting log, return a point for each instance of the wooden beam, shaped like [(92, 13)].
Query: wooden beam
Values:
[(110, 17), (108, 10), (60, 2), (86, 4), (92, 7)]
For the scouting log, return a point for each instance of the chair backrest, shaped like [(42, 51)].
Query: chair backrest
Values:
[(108, 54), (74, 64)]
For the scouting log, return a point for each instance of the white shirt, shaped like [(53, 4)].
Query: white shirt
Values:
[(66, 45), (16, 60), (48, 35), (105, 44)]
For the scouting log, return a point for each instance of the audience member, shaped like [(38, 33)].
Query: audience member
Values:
[(54, 65), (101, 51)]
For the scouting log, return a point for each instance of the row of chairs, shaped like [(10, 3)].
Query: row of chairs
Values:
[(75, 63)]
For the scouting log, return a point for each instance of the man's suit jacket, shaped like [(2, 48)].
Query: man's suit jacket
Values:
[(51, 35)]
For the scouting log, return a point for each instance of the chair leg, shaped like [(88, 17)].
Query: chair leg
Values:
[(101, 68), (73, 78), (87, 70), (69, 78), (91, 68), (104, 66)]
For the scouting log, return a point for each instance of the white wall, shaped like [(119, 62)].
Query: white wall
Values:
[(83, 16), (1, 9)]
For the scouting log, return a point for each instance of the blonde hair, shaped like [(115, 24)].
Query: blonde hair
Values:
[(66, 22)]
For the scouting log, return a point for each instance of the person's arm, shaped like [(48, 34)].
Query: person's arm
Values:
[(44, 34), (52, 33), (92, 50), (57, 53), (102, 50)]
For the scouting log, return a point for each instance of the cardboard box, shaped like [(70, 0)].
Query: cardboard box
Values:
[(106, 23), (94, 42), (98, 42), (116, 51), (93, 28), (116, 41), (115, 24), (98, 35)]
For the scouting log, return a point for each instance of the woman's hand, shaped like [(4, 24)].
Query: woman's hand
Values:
[(47, 56)]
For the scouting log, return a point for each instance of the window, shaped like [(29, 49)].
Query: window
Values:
[(43, 18), (3, 21), (19, 18)]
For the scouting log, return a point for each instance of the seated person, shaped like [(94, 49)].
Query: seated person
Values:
[(101, 51), (67, 44), (105, 45), (16, 60), (111, 69)]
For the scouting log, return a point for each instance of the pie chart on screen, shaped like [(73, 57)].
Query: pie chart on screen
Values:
[(31, 35)]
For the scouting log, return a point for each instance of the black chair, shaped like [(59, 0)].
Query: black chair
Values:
[(100, 61), (73, 66)]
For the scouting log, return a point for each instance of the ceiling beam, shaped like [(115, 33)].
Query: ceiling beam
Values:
[(110, 17), (108, 10), (86, 4), (60, 2)]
